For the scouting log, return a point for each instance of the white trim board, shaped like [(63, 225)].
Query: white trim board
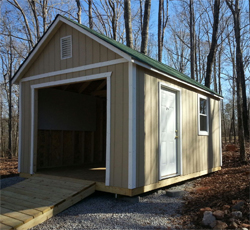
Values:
[(203, 133), (20, 128), (106, 75), (72, 80), (178, 125), (220, 138), (132, 127), (173, 78), (76, 69)]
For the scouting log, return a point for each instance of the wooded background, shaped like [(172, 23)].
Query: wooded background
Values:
[(208, 40)]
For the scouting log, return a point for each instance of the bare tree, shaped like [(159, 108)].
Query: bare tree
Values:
[(213, 48), (114, 18), (34, 11), (192, 38), (108, 14), (128, 24), (79, 11), (231, 45), (44, 14), (162, 24), (91, 24), (144, 41), (240, 81), (29, 35)]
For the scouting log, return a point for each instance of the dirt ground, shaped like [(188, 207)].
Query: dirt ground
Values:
[(221, 191), (218, 190), (8, 167)]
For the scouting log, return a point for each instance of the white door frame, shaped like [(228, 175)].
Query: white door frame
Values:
[(34, 101), (178, 124)]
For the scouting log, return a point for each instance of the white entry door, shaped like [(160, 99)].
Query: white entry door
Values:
[(168, 134)]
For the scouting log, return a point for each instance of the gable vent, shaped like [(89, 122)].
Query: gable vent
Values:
[(66, 47)]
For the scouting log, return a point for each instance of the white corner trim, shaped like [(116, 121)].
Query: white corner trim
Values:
[(97, 39), (37, 47), (178, 92), (173, 78), (203, 133), (132, 127), (220, 138), (32, 130), (108, 133), (106, 75), (20, 128), (76, 69)]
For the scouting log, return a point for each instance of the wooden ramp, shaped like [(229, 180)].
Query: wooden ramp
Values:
[(38, 198)]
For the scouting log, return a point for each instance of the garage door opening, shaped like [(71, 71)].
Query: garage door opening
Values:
[(71, 132)]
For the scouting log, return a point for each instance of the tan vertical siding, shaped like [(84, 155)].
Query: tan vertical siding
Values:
[(198, 152), (84, 51), (184, 128), (125, 123), (140, 135), (119, 126)]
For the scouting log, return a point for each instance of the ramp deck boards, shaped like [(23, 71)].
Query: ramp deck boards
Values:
[(38, 198)]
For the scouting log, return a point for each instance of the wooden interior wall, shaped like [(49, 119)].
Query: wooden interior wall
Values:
[(56, 148)]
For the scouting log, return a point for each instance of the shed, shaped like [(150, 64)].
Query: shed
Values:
[(94, 109)]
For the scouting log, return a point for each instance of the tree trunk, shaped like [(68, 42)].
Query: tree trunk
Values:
[(128, 24), (34, 10), (233, 112), (90, 15), (212, 52), (219, 68), (240, 82), (44, 12), (215, 76), (10, 103), (192, 37), (79, 11), (224, 121), (160, 45), (1, 122), (162, 24), (144, 42), (113, 21)]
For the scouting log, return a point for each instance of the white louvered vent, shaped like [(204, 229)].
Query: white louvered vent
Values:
[(66, 47)]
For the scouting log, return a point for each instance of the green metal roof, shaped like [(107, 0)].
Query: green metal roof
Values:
[(146, 59)]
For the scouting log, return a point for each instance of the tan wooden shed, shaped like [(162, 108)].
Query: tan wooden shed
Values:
[(94, 109)]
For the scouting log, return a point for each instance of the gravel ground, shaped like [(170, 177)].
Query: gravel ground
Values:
[(154, 210), (10, 181)]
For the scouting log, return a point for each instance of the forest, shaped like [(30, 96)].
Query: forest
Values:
[(208, 40)]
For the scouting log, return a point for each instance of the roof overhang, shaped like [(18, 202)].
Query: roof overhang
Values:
[(175, 79)]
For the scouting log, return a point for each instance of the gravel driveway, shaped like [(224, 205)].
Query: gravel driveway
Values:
[(154, 210)]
